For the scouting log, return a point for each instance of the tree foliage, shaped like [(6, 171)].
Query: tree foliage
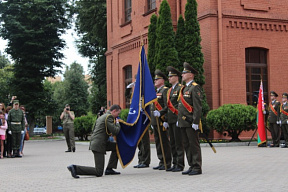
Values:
[(151, 45), (166, 53), (75, 89), (180, 42), (4, 61), (6, 76), (193, 52), (91, 25), (233, 118), (33, 29)]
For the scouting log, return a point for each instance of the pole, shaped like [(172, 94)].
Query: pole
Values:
[(160, 137)]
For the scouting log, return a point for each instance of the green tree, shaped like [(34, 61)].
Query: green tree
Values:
[(91, 25), (6, 76), (3, 61), (33, 29), (75, 89), (166, 53), (233, 118), (151, 45), (193, 52), (180, 42)]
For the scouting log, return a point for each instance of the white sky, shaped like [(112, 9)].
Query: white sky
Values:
[(70, 52)]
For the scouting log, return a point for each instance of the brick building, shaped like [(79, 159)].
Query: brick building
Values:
[(242, 41)]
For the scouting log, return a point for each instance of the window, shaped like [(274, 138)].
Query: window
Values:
[(256, 69), (151, 4), (128, 80), (128, 10)]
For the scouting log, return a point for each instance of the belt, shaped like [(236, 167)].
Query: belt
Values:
[(15, 123)]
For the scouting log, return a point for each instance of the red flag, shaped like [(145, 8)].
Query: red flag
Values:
[(260, 119)]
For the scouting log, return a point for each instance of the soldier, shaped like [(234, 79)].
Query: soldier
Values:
[(105, 126), (189, 114), (172, 115), (68, 127), (16, 127), (274, 115), (158, 110), (284, 118)]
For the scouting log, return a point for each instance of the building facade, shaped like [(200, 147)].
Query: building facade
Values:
[(243, 41)]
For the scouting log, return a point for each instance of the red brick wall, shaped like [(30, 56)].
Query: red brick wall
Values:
[(245, 23)]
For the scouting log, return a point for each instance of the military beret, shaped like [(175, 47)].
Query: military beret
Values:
[(159, 75), (273, 93), (173, 72), (189, 69), (285, 95), (16, 102)]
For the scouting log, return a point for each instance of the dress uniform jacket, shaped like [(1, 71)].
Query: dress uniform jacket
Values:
[(283, 115), (104, 127), (172, 115), (192, 95), (274, 112), (16, 120), (162, 100)]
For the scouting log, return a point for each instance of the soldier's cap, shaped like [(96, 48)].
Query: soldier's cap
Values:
[(285, 95), (16, 102), (189, 69), (159, 75), (273, 93), (67, 105), (173, 72)]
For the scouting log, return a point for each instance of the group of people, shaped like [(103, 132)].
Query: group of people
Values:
[(278, 119), (13, 127), (175, 119)]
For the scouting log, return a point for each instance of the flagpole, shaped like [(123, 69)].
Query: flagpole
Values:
[(161, 144)]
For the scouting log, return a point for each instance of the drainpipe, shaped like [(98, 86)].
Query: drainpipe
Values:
[(220, 52)]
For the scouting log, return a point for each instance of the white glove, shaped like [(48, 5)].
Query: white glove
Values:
[(287, 121), (195, 126), (152, 127), (264, 112), (9, 132), (166, 125), (277, 122), (156, 113), (280, 122), (22, 132), (177, 123), (130, 85)]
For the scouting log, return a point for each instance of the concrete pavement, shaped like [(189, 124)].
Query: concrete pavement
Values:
[(232, 168)]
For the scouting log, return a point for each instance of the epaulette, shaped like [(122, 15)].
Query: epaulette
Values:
[(194, 83), (165, 87)]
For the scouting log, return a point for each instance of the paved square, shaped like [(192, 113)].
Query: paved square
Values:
[(234, 168)]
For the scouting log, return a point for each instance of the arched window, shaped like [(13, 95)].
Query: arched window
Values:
[(128, 80), (256, 69)]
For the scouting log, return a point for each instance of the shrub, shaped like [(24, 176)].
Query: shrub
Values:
[(83, 126), (124, 114), (233, 118)]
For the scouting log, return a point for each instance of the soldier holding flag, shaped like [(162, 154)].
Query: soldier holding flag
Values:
[(189, 114), (172, 116), (274, 115), (158, 109)]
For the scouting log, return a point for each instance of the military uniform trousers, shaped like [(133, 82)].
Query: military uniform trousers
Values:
[(275, 133), (191, 144), (165, 143), (177, 149), (68, 129), (285, 133), (16, 140), (99, 159), (144, 154)]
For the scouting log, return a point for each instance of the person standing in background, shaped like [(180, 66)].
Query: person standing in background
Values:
[(68, 117)]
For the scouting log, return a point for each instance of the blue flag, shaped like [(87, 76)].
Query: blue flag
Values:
[(138, 120)]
